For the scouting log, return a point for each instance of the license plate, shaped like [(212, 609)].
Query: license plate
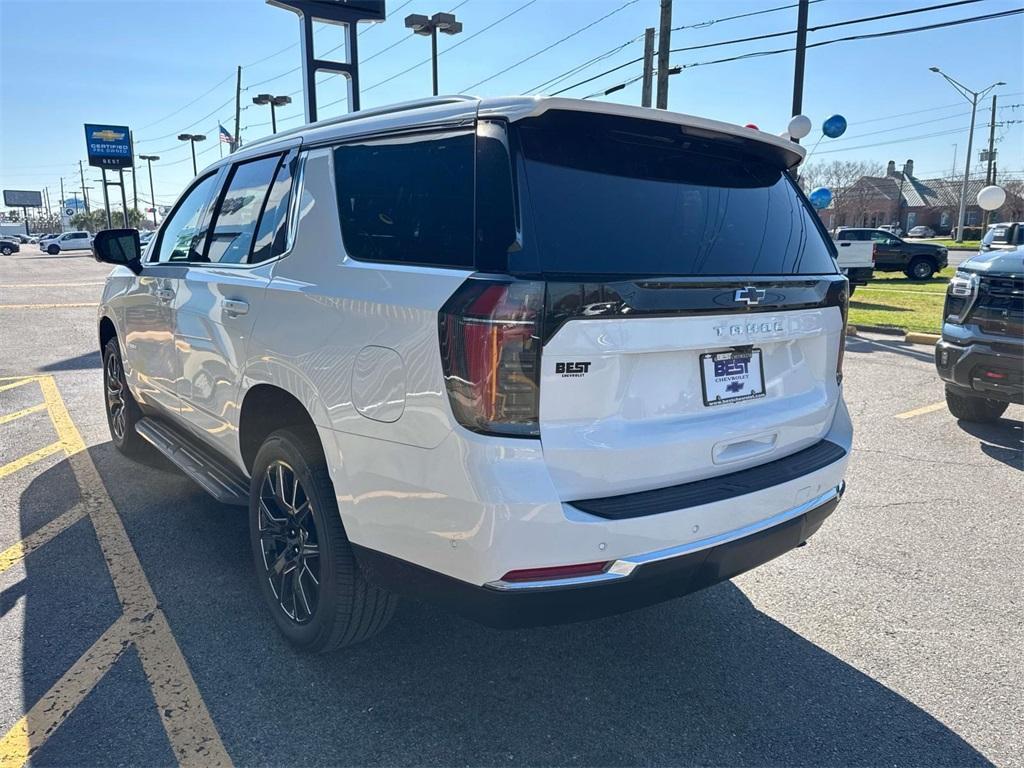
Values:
[(731, 377)]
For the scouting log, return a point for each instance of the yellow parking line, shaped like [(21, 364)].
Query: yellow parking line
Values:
[(19, 381), (190, 729), (32, 731), (921, 411), (49, 306), (28, 460), (22, 549), (23, 412)]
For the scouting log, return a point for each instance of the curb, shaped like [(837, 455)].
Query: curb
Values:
[(921, 338), (883, 329), (909, 338)]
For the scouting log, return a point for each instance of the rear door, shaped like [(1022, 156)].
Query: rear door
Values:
[(694, 311), (217, 301)]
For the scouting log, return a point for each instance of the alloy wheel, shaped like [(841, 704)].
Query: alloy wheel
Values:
[(289, 542), (114, 375)]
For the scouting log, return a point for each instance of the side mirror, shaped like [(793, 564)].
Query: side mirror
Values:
[(120, 247)]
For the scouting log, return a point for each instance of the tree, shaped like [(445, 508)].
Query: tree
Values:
[(850, 196), (96, 220)]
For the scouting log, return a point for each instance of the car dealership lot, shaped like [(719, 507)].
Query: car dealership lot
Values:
[(893, 637)]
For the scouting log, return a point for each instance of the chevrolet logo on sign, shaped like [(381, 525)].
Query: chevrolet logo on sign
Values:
[(107, 135)]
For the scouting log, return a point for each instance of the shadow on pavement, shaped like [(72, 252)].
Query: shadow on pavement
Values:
[(862, 345), (77, 363), (1002, 440), (707, 679)]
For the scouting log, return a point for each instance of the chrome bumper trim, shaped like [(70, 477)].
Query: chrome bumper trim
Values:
[(624, 567)]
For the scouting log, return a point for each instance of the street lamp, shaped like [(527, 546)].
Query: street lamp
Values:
[(152, 195), (973, 97), (192, 138), (273, 101), (439, 22)]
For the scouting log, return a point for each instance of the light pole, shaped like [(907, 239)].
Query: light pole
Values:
[(973, 97), (274, 102), (192, 138), (429, 27), (152, 195)]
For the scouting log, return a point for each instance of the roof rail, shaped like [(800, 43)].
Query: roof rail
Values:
[(403, 106)]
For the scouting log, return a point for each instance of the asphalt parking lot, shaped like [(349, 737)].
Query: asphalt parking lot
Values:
[(131, 631)]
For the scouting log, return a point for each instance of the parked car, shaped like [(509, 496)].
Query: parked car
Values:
[(857, 261), (44, 239), (918, 261), (68, 241), (981, 353), (921, 231), (1004, 236), (9, 245), (893, 229), (532, 402)]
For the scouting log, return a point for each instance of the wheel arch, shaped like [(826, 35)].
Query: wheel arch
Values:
[(266, 408), (107, 331)]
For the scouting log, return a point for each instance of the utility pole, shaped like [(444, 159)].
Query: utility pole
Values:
[(645, 98), (801, 54), (664, 43), (124, 200), (62, 195), (238, 113), (46, 191), (135, 193), (85, 195), (971, 96), (990, 172)]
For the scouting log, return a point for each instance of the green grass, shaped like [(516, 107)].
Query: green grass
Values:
[(893, 301), (970, 245)]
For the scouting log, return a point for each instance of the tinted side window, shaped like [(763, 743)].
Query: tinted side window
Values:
[(182, 237), (408, 199), (235, 220), (272, 230)]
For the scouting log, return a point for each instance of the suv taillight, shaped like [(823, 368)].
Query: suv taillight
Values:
[(490, 353), (839, 296), (874, 252)]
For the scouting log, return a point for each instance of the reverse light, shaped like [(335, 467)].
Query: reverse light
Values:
[(490, 353), (556, 572)]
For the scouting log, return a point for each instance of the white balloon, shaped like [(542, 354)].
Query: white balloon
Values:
[(799, 126), (992, 197)]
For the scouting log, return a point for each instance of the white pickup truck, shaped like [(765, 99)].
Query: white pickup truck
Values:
[(856, 260)]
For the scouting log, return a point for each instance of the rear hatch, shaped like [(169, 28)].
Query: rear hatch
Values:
[(693, 313)]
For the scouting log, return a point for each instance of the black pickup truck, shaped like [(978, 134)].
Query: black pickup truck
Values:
[(918, 261), (981, 353)]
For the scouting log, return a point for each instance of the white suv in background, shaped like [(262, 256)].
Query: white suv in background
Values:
[(538, 360), (68, 241)]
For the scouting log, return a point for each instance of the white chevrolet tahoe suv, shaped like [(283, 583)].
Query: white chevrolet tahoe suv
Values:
[(535, 359)]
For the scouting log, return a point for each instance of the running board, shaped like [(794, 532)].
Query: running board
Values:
[(212, 473)]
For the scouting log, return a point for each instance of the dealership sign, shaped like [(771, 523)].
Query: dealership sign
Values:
[(22, 198), (109, 146)]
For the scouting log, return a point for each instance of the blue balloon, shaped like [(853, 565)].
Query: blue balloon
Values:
[(834, 127), (820, 198)]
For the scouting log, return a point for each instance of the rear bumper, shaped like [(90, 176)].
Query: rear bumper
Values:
[(860, 275), (626, 584), (965, 366)]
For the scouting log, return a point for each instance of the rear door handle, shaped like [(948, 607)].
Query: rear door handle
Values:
[(164, 294), (235, 306)]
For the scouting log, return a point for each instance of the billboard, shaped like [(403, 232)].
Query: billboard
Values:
[(109, 146), (22, 198)]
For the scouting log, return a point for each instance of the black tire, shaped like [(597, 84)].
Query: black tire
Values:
[(6, 250), (921, 268), (122, 410), (346, 608), (973, 407), (53, 250)]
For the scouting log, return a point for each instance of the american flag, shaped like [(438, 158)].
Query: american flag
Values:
[(226, 137)]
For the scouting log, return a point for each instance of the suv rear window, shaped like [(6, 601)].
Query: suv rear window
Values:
[(408, 199), (615, 196)]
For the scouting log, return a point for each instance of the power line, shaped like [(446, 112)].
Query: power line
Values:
[(580, 67), (849, 38), (465, 40), (703, 24), (554, 44), (180, 109)]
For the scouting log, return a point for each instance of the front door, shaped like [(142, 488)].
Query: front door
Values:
[(153, 365), (217, 303)]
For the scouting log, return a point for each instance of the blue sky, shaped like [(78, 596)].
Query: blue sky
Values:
[(167, 67)]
